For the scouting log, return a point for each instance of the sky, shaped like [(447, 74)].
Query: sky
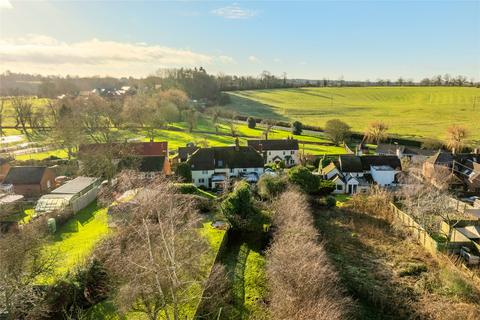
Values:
[(353, 40)]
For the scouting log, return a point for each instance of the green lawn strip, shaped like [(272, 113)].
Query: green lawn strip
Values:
[(59, 153), (255, 285), (406, 110), (342, 199), (74, 241)]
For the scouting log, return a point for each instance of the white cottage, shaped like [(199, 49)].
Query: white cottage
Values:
[(277, 150), (355, 174), (213, 167)]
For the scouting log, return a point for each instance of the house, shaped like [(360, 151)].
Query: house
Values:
[(4, 167), (212, 167), (153, 156), (285, 150), (456, 171), (74, 195), (354, 174), (414, 154), (30, 181)]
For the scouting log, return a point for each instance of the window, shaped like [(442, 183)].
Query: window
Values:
[(220, 163), (244, 170), (255, 169), (339, 187), (204, 171), (49, 184), (283, 152), (231, 170), (201, 180), (292, 152), (269, 153)]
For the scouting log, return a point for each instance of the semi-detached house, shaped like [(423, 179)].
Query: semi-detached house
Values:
[(277, 150), (213, 167)]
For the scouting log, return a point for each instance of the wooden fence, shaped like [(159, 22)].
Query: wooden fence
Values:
[(416, 230)]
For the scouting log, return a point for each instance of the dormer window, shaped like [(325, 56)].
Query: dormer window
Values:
[(220, 163)]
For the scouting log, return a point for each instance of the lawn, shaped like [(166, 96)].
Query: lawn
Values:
[(74, 241), (408, 111), (59, 153)]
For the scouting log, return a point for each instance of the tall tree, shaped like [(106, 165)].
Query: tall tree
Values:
[(268, 124), (337, 130), (156, 255)]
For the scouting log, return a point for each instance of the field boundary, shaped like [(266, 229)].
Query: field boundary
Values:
[(417, 231)]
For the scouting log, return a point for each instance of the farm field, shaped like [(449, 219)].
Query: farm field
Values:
[(416, 112)]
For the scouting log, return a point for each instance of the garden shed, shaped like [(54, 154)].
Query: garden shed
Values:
[(74, 195)]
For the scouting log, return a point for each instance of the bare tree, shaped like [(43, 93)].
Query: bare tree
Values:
[(269, 124), (22, 264), (2, 115), (456, 136), (23, 110), (156, 253), (337, 130), (303, 283), (376, 132)]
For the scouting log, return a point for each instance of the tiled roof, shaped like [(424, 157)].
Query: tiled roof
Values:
[(225, 157), (24, 175), (278, 144), (145, 149), (391, 161), (185, 152)]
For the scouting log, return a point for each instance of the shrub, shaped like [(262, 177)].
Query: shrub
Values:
[(297, 127), (187, 188), (238, 208), (251, 123), (271, 186), (184, 172), (326, 187), (330, 202), (304, 178)]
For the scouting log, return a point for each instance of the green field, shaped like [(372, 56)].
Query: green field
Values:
[(410, 112)]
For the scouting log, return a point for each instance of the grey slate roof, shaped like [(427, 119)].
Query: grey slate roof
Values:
[(24, 175), (225, 157), (76, 185), (350, 163), (391, 149), (278, 144)]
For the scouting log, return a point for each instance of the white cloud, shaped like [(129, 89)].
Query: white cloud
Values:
[(226, 60), (253, 59), (43, 54), (234, 11), (5, 4)]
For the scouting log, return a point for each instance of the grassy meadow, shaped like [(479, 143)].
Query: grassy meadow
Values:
[(417, 112)]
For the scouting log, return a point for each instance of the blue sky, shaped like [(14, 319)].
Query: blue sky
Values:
[(312, 39)]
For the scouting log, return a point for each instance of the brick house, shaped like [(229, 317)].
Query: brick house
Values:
[(30, 181)]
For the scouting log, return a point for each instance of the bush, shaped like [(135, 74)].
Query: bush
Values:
[(305, 179), (238, 208), (187, 188), (251, 123), (297, 127), (184, 172), (330, 202), (326, 187), (271, 186)]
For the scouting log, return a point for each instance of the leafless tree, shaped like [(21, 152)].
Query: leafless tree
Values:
[(22, 264), (269, 124), (2, 115), (303, 284), (456, 136), (23, 110), (376, 132), (156, 253)]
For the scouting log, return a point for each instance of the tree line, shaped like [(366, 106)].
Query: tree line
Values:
[(198, 83)]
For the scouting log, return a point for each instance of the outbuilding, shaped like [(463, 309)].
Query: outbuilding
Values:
[(74, 195)]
